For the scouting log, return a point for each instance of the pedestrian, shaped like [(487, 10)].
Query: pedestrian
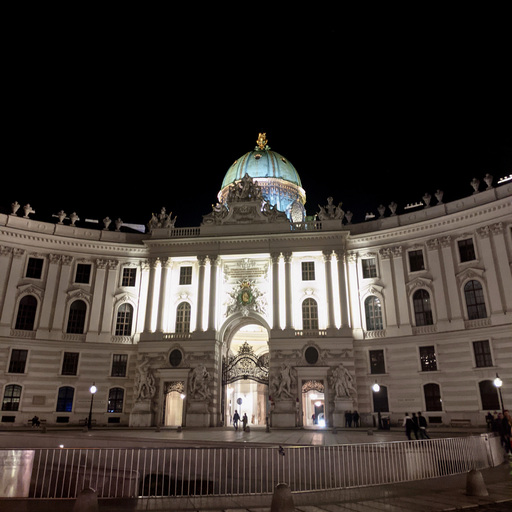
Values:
[(348, 419), (489, 419), (416, 425), (35, 422), (236, 419), (422, 421), (355, 419), (409, 425), (505, 428), (244, 421)]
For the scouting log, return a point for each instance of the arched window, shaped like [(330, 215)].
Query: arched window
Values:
[(183, 317), (124, 320), (76, 318), (26, 313), (489, 395), (115, 400), (475, 303), (309, 314), (65, 399), (422, 309), (432, 397), (380, 400), (373, 311), (12, 396)]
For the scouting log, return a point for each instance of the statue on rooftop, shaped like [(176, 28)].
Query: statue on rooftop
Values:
[(330, 211)]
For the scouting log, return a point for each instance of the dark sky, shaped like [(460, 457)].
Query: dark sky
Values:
[(124, 116)]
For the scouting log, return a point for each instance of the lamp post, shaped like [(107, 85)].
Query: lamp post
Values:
[(92, 390), (498, 383)]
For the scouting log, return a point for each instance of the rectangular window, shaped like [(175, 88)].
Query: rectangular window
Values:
[(18, 361), (119, 364), (428, 359), (377, 364), (416, 262), (308, 270), (83, 273), (129, 275), (369, 267), (35, 268), (466, 250), (70, 363), (185, 275), (482, 351)]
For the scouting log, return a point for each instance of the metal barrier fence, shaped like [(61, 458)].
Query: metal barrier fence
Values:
[(217, 471)]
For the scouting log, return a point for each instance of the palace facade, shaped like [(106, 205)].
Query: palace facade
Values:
[(260, 309)]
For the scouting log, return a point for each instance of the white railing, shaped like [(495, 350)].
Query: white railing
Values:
[(217, 471)]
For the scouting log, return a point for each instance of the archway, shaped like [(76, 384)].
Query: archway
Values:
[(173, 404), (313, 403), (245, 374)]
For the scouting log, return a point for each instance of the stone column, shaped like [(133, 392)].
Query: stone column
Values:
[(200, 293), (97, 307), (62, 296), (328, 285), (47, 309), (162, 301), (493, 284), (453, 304), (15, 274), (437, 272), (401, 290), (288, 288), (342, 283), (503, 266), (153, 265), (275, 289), (108, 307), (214, 261)]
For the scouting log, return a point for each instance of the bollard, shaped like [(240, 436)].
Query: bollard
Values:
[(475, 485), (282, 500), (86, 501)]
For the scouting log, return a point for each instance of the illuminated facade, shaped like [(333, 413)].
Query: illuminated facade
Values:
[(288, 320)]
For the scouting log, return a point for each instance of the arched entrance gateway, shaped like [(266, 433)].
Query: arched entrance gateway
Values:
[(245, 374)]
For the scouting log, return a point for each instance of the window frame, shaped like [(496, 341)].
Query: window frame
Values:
[(12, 397), (70, 365), (477, 306), (368, 267), (185, 275), (116, 400), (126, 280), (310, 322), (30, 268), (308, 271), (487, 356), (473, 248), (12, 363), (23, 318), (423, 367), (413, 256), (114, 364), (183, 324), (426, 316), (370, 317)]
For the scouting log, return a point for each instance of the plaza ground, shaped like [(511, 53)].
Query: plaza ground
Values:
[(440, 494)]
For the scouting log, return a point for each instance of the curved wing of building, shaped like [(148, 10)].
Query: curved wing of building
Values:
[(290, 322)]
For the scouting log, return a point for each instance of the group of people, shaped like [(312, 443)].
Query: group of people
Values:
[(415, 426), (501, 424), (236, 419), (351, 419)]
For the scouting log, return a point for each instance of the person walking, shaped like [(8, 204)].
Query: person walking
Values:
[(505, 429), (236, 419), (244, 421), (409, 425), (422, 421), (355, 419)]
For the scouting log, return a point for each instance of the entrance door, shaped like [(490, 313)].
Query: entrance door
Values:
[(173, 405), (313, 404)]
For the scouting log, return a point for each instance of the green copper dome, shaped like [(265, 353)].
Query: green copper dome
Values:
[(262, 163), (279, 181)]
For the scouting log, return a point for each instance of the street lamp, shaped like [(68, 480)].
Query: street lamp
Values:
[(498, 383), (376, 387), (92, 390)]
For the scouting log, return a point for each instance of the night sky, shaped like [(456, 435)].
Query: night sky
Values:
[(120, 119)]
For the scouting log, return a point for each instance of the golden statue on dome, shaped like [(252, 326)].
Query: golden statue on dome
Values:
[(262, 141)]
